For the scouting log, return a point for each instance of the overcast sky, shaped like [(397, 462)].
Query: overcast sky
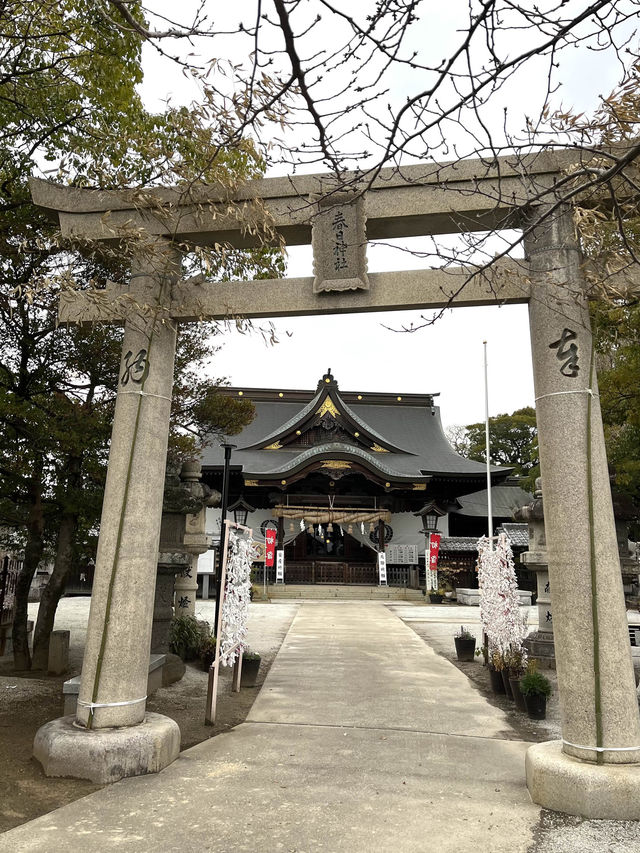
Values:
[(446, 357)]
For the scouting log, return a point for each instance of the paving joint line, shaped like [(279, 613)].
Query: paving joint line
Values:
[(387, 729)]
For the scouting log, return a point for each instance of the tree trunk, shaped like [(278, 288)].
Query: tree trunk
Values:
[(52, 592), (32, 555)]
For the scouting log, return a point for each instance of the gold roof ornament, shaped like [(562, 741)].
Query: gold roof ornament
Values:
[(419, 487), (379, 449), (275, 446), (251, 482), (336, 463), (328, 407)]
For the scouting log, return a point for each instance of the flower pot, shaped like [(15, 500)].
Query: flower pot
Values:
[(506, 673), (518, 696), (434, 598), (465, 649), (249, 672), (536, 704), (497, 684)]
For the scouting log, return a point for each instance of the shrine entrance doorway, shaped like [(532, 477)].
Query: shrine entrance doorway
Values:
[(329, 556)]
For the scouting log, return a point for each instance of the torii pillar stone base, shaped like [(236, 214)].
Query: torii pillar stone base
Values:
[(106, 755), (562, 783), (594, 771)]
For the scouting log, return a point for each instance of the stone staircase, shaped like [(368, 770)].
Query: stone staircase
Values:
[(346, 592)]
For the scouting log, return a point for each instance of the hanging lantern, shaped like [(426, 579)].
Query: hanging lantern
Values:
[(329, 528), (310, 528), (350, 529), (291, 528), (371, 527)]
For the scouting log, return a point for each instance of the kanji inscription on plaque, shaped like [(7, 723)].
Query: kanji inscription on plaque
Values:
[(339, 244)]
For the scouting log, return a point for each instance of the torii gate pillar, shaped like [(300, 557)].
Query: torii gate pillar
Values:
[(593, 771), (112, 736)]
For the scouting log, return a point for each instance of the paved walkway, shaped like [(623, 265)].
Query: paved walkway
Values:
[(362, 739)]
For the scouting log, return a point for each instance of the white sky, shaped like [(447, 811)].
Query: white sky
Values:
[(446, 357)]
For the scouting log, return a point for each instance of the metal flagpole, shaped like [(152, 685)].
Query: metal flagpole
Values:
[(487, 449), (223, 524)]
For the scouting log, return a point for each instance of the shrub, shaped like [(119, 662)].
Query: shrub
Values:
[(535, 684), (185, 636)]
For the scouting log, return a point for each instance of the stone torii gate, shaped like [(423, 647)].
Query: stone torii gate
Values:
[(595, 769)]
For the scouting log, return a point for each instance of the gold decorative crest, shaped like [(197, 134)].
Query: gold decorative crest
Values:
[(329, 407), (251, 482), (275, 446), (419, 487), (379, 449), (336, 464)]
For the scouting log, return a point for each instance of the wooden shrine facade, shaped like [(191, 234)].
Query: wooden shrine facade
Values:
[(344, 476)]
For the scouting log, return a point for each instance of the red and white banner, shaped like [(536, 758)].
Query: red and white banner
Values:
[(434, 548), (270, 547)]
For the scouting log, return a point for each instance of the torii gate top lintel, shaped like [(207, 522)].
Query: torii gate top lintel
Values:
[(337, 218), (420, 199)]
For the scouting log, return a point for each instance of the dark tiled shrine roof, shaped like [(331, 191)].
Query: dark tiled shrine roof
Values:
[(405, 429), (459, 543), (506, 498), (518, 535)]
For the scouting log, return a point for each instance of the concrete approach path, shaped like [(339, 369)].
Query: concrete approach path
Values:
[(361, 739)]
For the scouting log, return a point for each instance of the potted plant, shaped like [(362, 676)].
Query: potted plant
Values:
[(465, 644), (207, 651), (436, 596), (496, 665), (250, 667), (185, 636), (517, 660), (536, 689)]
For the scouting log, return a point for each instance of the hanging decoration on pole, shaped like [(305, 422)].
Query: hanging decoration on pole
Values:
[(270, 547), (235, 594), (502, 621), (431, 560)]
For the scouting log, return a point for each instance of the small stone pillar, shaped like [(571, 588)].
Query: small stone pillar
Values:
[(600, 722), (169, 564), (539, 644)]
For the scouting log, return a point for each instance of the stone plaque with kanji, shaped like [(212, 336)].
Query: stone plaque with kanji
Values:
[(339, 245)]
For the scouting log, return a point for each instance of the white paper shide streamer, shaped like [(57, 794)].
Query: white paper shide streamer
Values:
[(499, 604), (235, 608)]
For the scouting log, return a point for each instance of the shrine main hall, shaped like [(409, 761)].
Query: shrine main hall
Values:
[(343, 475)]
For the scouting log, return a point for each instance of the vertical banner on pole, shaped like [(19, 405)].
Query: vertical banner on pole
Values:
[(279, 566), (382, 569), (431, 560), (270, 547)]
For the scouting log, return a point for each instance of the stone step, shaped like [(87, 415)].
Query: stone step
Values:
[(322, 592)]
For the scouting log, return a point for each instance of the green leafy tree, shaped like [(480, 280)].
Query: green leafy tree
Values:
[(617, 330), (68, 98), (513, 443)]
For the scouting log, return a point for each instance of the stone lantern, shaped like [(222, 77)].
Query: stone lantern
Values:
[(182, 540), (539, 644)]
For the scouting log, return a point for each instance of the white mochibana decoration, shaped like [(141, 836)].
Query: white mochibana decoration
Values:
[(499, 603), (235, 607)]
